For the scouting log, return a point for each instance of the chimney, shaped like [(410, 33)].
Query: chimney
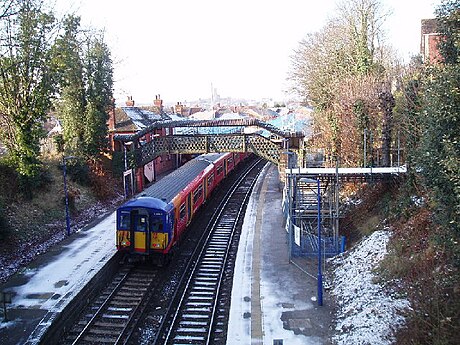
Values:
[(429, 42), (158, 102), (179, 108), (130, 101)]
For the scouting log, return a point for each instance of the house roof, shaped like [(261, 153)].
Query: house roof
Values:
[(133, 119)]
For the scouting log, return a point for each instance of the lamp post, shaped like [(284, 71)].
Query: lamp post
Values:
[(64, 172)]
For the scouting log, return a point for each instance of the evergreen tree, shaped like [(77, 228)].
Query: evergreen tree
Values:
[(26, 84), (440, 144), (68, 64), (448, 18), (439, 147), (99, 72), (85, 74)]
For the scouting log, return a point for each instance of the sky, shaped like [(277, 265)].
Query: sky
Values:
[(181, 49)]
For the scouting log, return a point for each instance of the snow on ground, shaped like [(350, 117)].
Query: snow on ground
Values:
[(367, 312), (239, 326), (52, 286)]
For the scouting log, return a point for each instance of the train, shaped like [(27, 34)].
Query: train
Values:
[(152, 224)]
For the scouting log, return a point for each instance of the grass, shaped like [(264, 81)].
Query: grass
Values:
[(36, 218)]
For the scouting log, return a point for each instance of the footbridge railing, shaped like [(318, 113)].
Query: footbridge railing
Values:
[(197, 144)]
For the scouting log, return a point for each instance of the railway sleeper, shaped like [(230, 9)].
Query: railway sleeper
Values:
[(109, 324), (104, 331), (189, 338), (185, 323), (99, 340)]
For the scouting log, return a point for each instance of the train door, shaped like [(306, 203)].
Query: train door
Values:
[(140, 232), (225, 167), (205, 189)]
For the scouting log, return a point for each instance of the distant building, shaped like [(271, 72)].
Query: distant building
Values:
[(430, 38), (182, 110)]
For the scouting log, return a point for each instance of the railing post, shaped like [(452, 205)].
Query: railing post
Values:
[(320, 274)]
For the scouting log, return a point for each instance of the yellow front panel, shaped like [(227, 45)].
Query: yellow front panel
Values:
[(159, 240), (139, 242), (123, 239)]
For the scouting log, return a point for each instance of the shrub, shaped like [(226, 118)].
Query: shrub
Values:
[(4, 225), (78, 171)]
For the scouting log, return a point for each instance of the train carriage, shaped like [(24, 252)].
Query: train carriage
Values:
[(152, 223)]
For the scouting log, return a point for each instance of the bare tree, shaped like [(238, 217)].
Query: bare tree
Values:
[(340, 70)]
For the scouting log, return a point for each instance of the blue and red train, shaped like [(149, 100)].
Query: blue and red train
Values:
[(151, 224)]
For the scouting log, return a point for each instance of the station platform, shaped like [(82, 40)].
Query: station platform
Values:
[(272, 301)]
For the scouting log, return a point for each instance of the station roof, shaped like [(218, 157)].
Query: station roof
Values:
[(134, 119)]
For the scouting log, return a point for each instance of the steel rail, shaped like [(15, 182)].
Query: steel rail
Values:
[(99, 311)]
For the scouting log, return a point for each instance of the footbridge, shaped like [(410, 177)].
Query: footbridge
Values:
[(204, 136)]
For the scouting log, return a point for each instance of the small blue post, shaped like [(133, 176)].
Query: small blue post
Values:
[(64, 172), (320, 274), (342, 244), (67, 217)]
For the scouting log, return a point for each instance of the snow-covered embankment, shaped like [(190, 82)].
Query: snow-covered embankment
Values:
[(367, 313)]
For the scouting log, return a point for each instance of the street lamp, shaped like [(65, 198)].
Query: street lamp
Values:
[(64, 171)]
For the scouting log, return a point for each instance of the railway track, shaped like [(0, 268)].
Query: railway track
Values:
[(197, 313), (199, 279), (110, 319)]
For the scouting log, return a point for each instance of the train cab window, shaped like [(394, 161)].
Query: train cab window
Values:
[(157, 225), (182, 211), (141, 223), (219, 169), (125, 220)]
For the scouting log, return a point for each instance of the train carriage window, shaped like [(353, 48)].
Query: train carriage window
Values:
[(219, 169), (125, 220), (198, 193), (182, 211), (230, 161), (210, 180)]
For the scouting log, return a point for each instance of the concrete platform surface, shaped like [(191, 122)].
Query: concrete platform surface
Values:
[(273, 302)]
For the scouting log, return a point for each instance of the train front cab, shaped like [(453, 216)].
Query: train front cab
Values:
[(143, 230)]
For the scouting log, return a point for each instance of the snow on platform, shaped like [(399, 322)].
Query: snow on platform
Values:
[(48, 284), (271, 299)]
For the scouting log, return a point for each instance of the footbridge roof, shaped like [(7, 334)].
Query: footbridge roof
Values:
[(250, 122)]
